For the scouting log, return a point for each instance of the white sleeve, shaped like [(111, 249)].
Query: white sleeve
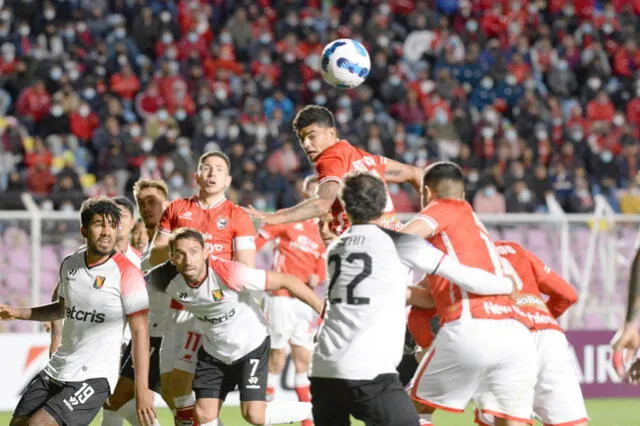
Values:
[(133, 291), (239, 277), (418, 254)]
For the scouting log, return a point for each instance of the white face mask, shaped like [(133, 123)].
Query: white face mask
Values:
[(487, 132), (315, 85), (163, 114), (135, 131), (84, 111), (234, 132), (167, 38), (49, 14), (147, 146), (541, 135), (618, 120), (24, 31), (165, 17), (57, 110), (209, 131)]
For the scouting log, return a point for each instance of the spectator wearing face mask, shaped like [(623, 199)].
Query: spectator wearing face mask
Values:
[(520, 199), (581, 200), (56, 122), (83, 122)]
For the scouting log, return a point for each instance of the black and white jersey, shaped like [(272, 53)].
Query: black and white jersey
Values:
[(369, 268)]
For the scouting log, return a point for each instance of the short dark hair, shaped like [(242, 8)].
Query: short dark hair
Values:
[(99, 206), (441, 171), (184, 234), (364, 196), (123, 201), (218, 154), (313, 114), (158, 184)]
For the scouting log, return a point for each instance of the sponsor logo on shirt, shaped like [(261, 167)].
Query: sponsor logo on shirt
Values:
[(71, 274), (217, 295), (221, 222), (219, 319), (182, 295), (186, 216), (99, 282), (85, 316)]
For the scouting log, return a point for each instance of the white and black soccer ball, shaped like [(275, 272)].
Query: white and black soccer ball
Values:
[(345, 63)]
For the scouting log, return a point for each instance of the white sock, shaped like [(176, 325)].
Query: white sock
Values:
[(287, 412), (425, 419), (272, 380), (185, 401), (301, 380), (216, 422), (111, 418), (129, 412)]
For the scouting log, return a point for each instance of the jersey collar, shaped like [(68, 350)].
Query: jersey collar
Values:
[(213, 206)]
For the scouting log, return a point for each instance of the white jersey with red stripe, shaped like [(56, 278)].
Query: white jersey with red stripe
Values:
[(369, 270), (228, 313), (98, 299)]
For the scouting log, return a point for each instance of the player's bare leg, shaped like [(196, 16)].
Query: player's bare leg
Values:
[(19, 421), (277, 359), (41, 418), (183, 397), (425, 412), (301, 358), (113, 409), (165, 390), (207, 411)]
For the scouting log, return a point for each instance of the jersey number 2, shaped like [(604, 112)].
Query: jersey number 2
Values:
[(366, 271)]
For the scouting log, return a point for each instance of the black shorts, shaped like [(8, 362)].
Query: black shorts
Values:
[(215, 379), (377, 402), (69, 403), (126, 369), (408, 365)]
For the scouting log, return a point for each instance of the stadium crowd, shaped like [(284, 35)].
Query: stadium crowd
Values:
[(530, 97)]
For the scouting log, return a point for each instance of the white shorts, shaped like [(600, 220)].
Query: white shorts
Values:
[(181, 342), (558, 398), (290, 321), (494, 360)]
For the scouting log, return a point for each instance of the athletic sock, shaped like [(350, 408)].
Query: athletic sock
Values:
[(304, 393), (425, 419), (287, 412), (272, 379), (184, 410), (216, 422), (129, 412), (111, 418)]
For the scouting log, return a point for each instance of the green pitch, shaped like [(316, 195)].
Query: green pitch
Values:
[(603, 412)]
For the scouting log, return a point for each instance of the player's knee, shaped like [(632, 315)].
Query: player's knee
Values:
[(180, 382), (277, 359), (120, 397), (205, 412), (254, 413)]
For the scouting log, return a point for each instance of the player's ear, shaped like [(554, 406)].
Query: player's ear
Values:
[(83, 231), (228, 182)]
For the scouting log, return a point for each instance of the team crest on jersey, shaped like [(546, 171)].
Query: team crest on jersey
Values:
[(222, 222), (217, 295), (99, 282)]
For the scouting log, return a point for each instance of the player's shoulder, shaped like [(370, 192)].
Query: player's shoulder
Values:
[(162, 275), (74, 260), (125, 265), (509, 247), (448, 205), (340, 149)]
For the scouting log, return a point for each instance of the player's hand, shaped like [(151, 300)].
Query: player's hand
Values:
[(264, 217), (8, 313), (145, 409), (625, 344), (326, 233), (55, 343), (515, 292), (633, 375)]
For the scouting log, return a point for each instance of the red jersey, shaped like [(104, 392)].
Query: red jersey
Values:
[(537, 279), (459, 233), (225, 226), (299, 250), (338, 160)]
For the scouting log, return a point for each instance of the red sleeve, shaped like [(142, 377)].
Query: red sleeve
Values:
[(167, 221), (561, 294), (331, 166), (267, 233), (244, 226), (420, 325), (437, 215), (237, 276)]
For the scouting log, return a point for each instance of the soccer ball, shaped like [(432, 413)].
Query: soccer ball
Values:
[(345, 63)]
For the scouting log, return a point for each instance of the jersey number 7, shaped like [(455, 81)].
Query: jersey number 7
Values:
[(336, 260)]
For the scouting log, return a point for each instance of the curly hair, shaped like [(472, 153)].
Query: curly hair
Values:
[(363, 196), (99, 206)]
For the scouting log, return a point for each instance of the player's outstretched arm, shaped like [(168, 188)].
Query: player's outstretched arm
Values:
[(159, 249), (396, 172), (418, 227), (139, 325), (56, 325), (315, 206), (52, 311), (419, 254), (277, 280)]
